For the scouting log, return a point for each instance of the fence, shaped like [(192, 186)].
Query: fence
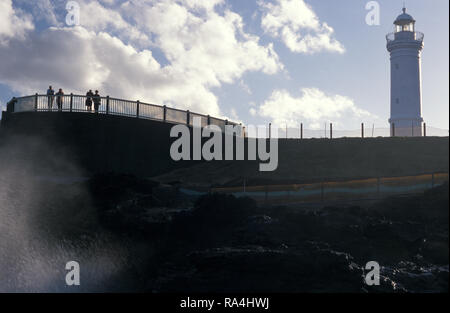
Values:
[(113, 106), (363, 132), (360, 189)]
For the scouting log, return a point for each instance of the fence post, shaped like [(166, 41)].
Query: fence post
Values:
[(107, 104), (71, 102), (209, 120), (378, 187), (424, 129), (393, 129), (188, 117), (322, 191), (331, 130), (36, 101), (362, 130), (137, 108), (226, 122), (270, 130), (164, 113), (266, 194), (301, 131)]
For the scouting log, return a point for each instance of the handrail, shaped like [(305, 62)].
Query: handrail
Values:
[(113, 106), (417, 36)]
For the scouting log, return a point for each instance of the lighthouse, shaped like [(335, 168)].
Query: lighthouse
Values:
[(405, 45)]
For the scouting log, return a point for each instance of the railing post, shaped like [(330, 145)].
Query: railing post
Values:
[(331, 130), (424, 129), (137, 108), (10, 107), (164, 113), (107, 104), (301, 130), (393, 129), (209, 120), (270, 130), (71, 102), (36, 101), (188, 117), (226, 122), (362, 130)]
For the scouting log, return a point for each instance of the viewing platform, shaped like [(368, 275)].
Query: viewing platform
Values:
[(112, 106)]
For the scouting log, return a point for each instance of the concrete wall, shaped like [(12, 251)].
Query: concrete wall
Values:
[(102, 143), (99, 143)]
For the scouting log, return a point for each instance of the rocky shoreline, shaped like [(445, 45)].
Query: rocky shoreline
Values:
[(131, 234)]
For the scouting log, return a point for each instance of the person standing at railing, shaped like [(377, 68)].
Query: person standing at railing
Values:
[(97, 101), (51, 97), (59, 99), (89, 96)]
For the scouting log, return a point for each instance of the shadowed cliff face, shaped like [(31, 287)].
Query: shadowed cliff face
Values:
[(132, 234)]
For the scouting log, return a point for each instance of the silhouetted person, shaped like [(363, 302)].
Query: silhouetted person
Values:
[(89, 96), (51, 97), (97, 101), (59, 99)]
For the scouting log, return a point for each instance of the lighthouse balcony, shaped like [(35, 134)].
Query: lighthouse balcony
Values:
[(405, 36)]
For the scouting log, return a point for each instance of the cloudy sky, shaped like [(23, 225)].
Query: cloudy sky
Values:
[(255, 61)]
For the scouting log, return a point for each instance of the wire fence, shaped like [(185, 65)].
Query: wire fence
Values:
[(356, 189), (363, 132), (327, 131)]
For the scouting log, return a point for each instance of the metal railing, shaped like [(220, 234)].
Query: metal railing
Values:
[(112, 106), (406, 35)]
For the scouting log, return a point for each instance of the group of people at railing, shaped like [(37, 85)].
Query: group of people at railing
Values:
[(51, 98), (91, 99)]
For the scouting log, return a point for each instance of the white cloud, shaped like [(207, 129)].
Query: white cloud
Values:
[(199, 40), (13, 23), (96, 17), (245, 87), (297, 25), (313, 107), (204, 48)]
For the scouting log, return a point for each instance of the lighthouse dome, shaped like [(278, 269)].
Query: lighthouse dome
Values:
[(404, 18)]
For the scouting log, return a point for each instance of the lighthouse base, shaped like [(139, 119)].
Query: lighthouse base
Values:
[(406, 127)]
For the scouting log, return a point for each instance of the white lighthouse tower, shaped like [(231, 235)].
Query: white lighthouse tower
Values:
[(405, 46)]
